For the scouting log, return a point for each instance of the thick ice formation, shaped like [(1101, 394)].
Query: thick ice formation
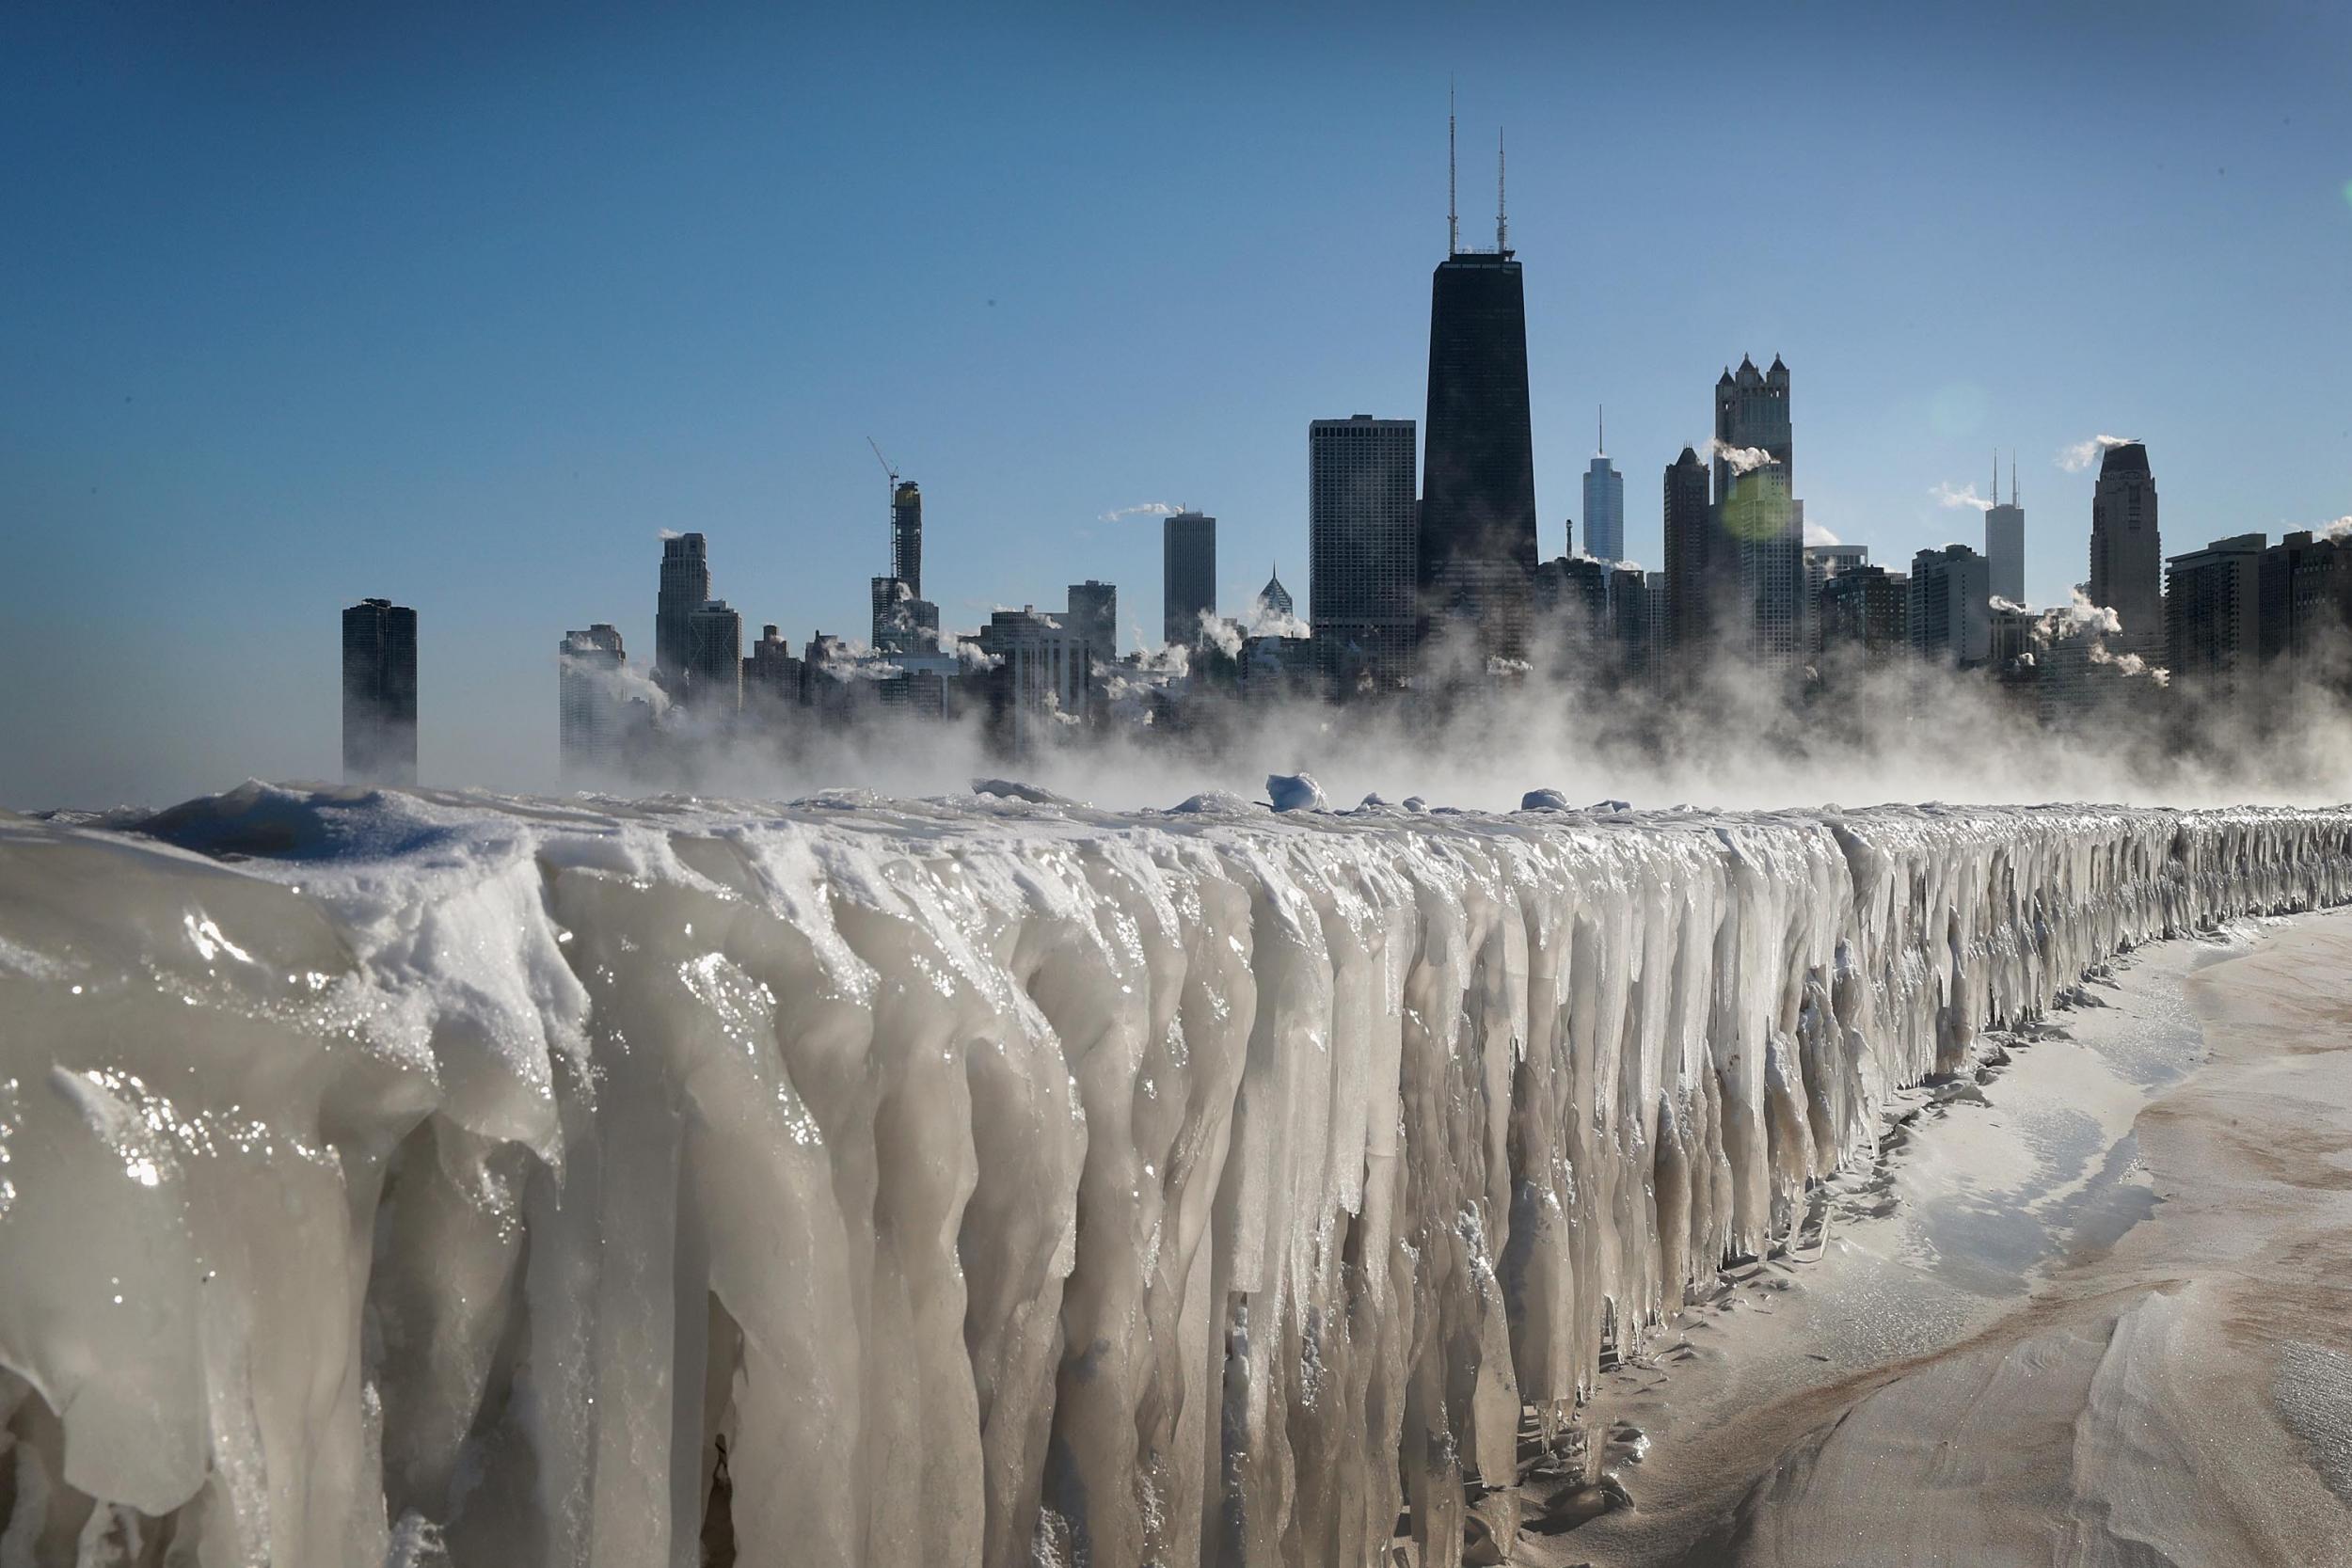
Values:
[(993, 1181)]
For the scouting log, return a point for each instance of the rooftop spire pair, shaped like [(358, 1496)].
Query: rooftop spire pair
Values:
[(1452, 218), (1996, 477)]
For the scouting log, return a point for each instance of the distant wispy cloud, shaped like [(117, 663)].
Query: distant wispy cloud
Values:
[(1965, 496), (2082, 454), (1153, 509)]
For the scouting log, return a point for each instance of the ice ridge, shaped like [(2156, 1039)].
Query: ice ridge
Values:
[(411, 1177)]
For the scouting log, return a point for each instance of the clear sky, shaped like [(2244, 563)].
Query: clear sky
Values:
[(459, 306)]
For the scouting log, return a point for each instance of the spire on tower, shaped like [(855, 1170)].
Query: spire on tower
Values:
[(1502, 230), (1452, 224), (1600, 428), (2013, 476)]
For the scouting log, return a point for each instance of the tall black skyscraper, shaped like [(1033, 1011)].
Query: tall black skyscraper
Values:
[(2127, 552), (1187, 576), (906, 535), (1691, 565), (1363, 547), (685, 588), (379, 694), (1478, 548)]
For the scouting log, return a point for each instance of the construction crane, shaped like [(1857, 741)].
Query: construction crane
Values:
[(885, 463)]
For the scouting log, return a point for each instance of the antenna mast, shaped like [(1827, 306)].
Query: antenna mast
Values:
[(1502, 231), (1453, 223), (1600, 427)]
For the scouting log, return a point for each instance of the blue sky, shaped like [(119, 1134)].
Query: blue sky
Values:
[(308, 303)]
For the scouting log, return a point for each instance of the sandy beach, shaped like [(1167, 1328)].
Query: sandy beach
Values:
[(2092, 1306)]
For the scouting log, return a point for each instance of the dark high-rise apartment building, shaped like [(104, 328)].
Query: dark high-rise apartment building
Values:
[(685, 587), (714, 657), (2127, 552), (1864, 609), (1694, 564), (1478, 541), (1952, 606), (1363, 547), (2213, 615), (1758, 516), (1094, 615), (2307, 597), (379, 694), (1188, 576), (906, 535), (2005, 539)]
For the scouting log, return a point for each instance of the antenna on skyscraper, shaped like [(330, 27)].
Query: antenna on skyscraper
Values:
[(1996, 476), (1453, 223), (2013, 476), (1600, 428), (1502, 231)]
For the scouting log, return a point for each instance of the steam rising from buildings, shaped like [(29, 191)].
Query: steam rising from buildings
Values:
[(1742, 459), (2082, 454), (1151, 509), (1965, 496)]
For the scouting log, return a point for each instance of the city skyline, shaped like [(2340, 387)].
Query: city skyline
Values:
[(255, 467)]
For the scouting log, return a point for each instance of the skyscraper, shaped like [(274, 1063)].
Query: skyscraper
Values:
[(1756, 509), (2213, 607), (1095, 616), (1188, 576), (1363, 545), (906, 535), (379, 694), (904, 624), (2005, 539), (1822, 563), (1690, 570), (1951, 613), (1604, 506), (714, 657), (592, 707), (1478, 541), (685, 586), (1275, 597), (2127, 552)]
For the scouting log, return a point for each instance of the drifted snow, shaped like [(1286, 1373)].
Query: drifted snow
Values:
[(1000, 1180)]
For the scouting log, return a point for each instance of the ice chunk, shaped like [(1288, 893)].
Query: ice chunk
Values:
[(1295, 792)]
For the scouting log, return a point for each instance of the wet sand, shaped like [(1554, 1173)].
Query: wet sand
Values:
[(2094, 1306)]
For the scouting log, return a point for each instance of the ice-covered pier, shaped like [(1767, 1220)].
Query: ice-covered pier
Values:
[(978, 1181)]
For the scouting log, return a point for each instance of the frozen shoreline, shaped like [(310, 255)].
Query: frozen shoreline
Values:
[(1000, 1180), (2166, 1377)]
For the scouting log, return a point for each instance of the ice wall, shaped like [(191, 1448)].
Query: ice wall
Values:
[(401, 1176)]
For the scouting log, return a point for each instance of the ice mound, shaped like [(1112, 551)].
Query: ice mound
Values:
[(1295, 792), (996, 1187)]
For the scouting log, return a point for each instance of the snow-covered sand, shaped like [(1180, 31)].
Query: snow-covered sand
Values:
[(401, 1176), (2094, 1310)]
